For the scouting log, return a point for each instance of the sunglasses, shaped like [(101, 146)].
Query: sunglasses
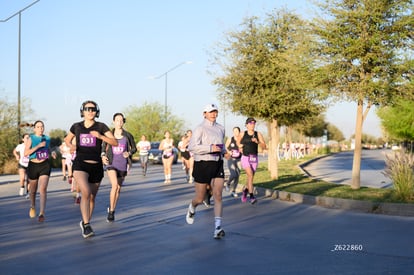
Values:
[(89, 109), (252, 122)]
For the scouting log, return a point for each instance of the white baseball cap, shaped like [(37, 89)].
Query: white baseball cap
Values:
[(210, 108)]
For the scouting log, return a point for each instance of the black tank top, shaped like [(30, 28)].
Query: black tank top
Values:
[(249, 147)]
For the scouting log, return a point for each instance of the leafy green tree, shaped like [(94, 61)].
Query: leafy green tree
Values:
[(8, 130), (398, 119), (149, 120), (316, 127), (361, 47), (9, 136), (334, 133), (369, 139), (56, 137), (313, 126), (267, 72)]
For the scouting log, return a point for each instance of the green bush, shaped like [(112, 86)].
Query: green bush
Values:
[(399, 168)]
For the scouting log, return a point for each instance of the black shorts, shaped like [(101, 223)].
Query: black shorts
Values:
[(205, 171), (186, 155), (37, 169), (94, 170), (22, 167), (119, 174)]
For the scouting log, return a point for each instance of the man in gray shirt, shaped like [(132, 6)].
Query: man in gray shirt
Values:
[(207, 145)]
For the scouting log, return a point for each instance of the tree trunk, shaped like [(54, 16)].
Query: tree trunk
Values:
[(356, 165), (274, 134)]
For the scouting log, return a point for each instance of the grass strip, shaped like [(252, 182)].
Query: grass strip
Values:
[(292, 179)]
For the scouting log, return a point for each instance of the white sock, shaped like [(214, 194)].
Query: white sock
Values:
[(191, 208), (217, 222)]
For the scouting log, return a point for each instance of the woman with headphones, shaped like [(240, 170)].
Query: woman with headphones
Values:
[(118, 159), (87, 166)]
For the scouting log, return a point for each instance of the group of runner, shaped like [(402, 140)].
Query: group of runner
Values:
[(97, 148)]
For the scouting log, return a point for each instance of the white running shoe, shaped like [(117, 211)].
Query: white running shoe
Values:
[(219, 233), (190, 216), (21, 191)]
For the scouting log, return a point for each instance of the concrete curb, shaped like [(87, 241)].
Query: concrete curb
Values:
[(303, 165), (394, 209)]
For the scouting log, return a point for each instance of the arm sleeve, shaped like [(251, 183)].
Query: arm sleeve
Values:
[(196, 145)]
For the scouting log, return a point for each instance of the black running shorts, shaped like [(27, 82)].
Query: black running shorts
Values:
[(205, 171), (119, 174), (37, 169), (94, 170)]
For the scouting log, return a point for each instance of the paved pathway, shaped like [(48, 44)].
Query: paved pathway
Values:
[(337, 168)]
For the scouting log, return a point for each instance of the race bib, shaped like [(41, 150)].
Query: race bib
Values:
[(118, 150), (87, 140), (235, 153), (253, 158), (42, 154)]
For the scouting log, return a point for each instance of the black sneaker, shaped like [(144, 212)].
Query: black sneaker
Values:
[(111, 216), (86, 230)]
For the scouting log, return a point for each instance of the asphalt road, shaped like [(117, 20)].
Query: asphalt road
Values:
[(150, 235), (337, 168)]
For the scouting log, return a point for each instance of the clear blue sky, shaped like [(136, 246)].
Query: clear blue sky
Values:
[(73, 50)]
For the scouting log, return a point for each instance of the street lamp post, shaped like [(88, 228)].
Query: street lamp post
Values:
[(19, 63), (166, 83)]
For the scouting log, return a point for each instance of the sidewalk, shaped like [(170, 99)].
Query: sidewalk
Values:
[(11, 178)]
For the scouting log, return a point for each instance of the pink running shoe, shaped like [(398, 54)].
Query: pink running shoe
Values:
[(244, 195)]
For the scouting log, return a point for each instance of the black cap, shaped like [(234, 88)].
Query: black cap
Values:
[(250, 119)]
